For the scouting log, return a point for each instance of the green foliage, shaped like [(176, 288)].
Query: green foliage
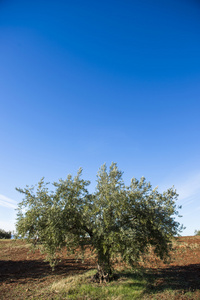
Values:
[(5, 234), (127, 286), (197, 232), (114, 219)]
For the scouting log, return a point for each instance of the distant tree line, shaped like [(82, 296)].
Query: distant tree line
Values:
[(5, 234)]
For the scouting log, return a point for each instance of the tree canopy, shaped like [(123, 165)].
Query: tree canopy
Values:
[(115, 219)]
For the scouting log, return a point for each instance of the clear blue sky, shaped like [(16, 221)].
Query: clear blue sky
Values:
[(88, 82)]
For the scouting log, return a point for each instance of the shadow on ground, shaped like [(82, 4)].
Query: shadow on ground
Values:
[(177, 278), (11, 271)]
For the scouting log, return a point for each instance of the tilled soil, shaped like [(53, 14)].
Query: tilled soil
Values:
[(25, 275)]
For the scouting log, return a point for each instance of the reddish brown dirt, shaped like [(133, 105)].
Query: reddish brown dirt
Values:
[(182, 274), (22, 272), (25, 275)]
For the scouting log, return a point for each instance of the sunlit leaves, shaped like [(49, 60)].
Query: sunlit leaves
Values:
[(114, 219)]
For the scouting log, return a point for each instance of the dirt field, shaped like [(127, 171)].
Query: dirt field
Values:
[(23, 272), (25, 275)]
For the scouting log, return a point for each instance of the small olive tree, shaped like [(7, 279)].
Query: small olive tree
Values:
[(115, 219), (197, 232)]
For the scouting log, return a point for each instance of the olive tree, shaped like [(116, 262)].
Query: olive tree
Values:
[(115, 219), (197, 232)]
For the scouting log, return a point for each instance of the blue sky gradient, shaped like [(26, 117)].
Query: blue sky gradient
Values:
[(86, 82)]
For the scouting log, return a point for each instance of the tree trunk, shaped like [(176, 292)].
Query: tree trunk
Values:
[(104, 270)]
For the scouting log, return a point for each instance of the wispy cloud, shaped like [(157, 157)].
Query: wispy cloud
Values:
[(189, 189), (8, 225), (7, 202), (187, 185)]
